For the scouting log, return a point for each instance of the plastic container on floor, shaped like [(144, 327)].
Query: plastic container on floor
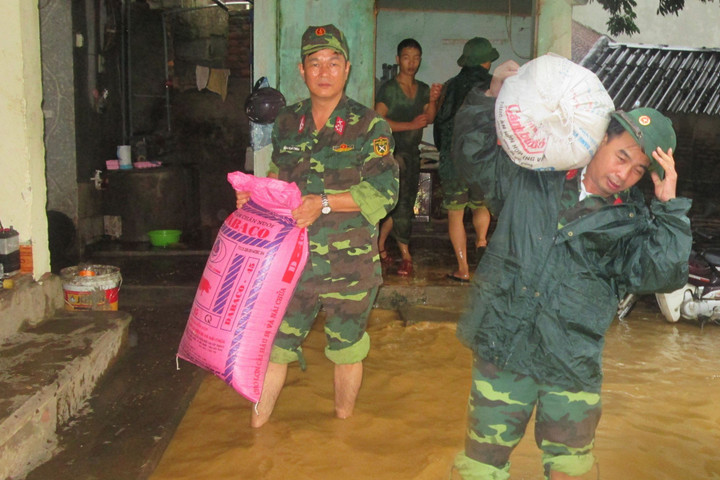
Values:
[(91, 287)]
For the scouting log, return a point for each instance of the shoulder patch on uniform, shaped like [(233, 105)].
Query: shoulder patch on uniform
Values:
[(339, 125), (343, 148), (381, 145), (301, 127)]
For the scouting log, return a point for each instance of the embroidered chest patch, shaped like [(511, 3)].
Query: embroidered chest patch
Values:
[(343, 148)]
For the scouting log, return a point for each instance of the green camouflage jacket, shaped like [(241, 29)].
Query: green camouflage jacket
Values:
[(351, 153)]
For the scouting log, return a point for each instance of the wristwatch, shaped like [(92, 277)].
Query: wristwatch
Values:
[(325, 204)]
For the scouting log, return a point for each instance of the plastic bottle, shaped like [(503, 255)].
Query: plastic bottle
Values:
[(26, 258)]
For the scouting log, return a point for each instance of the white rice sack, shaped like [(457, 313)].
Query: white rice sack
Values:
[(552, 115)]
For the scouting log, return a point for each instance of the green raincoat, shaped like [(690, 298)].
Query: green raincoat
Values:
[(547, 288)]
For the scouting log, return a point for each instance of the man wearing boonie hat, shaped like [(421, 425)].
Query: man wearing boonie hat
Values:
[(477, 51), (339, 153), (475, 61), (567, 247)]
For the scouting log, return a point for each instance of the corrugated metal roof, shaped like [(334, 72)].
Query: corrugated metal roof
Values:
[(669, 79)]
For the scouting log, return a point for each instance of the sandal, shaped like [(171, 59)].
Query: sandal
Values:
[(452, 276), (406, 268), (385, 259)]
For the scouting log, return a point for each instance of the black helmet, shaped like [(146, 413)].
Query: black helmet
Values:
[(263, 105)]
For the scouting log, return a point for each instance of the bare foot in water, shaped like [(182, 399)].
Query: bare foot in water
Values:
[(348, 378), (273, 384)]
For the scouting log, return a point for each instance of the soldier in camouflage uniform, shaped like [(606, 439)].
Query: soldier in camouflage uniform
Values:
[(339, 153), (567, 247)]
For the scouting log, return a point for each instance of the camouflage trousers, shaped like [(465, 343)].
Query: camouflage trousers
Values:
[(404, 211), (500, 406), (457, 195), (346, 317)]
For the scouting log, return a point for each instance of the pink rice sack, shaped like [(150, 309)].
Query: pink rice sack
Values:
[(248, 281)]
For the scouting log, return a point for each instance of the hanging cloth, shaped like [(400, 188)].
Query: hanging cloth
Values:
[(201, 76), (218, 81)]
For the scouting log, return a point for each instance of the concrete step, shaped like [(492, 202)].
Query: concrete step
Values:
[(399, 297), (412, 314), (29, 302), (47, 373)]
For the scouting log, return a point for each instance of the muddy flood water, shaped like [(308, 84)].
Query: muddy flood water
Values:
[(661, 415)]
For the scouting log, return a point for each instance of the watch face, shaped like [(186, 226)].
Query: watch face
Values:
[(325, 210)]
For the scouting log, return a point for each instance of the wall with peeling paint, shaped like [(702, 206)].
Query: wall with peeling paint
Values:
[(22, 154), (554, 27)]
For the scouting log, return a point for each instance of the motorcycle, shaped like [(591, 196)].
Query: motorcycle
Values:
[(699, 299)]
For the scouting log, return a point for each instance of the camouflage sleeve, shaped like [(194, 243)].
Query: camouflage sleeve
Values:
[(376, 194)]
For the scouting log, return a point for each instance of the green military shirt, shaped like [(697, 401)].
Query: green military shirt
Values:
[(351, 153), (404, 109)]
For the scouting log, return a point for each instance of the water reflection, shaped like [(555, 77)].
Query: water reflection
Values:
[(661, 418)]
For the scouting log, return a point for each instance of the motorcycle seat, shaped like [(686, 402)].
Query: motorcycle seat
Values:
[(712, 256)]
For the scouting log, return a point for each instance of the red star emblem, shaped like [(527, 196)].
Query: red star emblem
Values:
[(339, 125), (571, 174)]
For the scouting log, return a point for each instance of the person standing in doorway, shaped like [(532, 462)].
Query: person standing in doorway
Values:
[(408, 105), (339, 153), (475, 62)]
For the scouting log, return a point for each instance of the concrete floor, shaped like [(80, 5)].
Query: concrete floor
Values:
[(139, 402)]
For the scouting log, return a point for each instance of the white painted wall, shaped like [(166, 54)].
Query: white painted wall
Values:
[(22, 153), (695, 26), (442, 36)]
